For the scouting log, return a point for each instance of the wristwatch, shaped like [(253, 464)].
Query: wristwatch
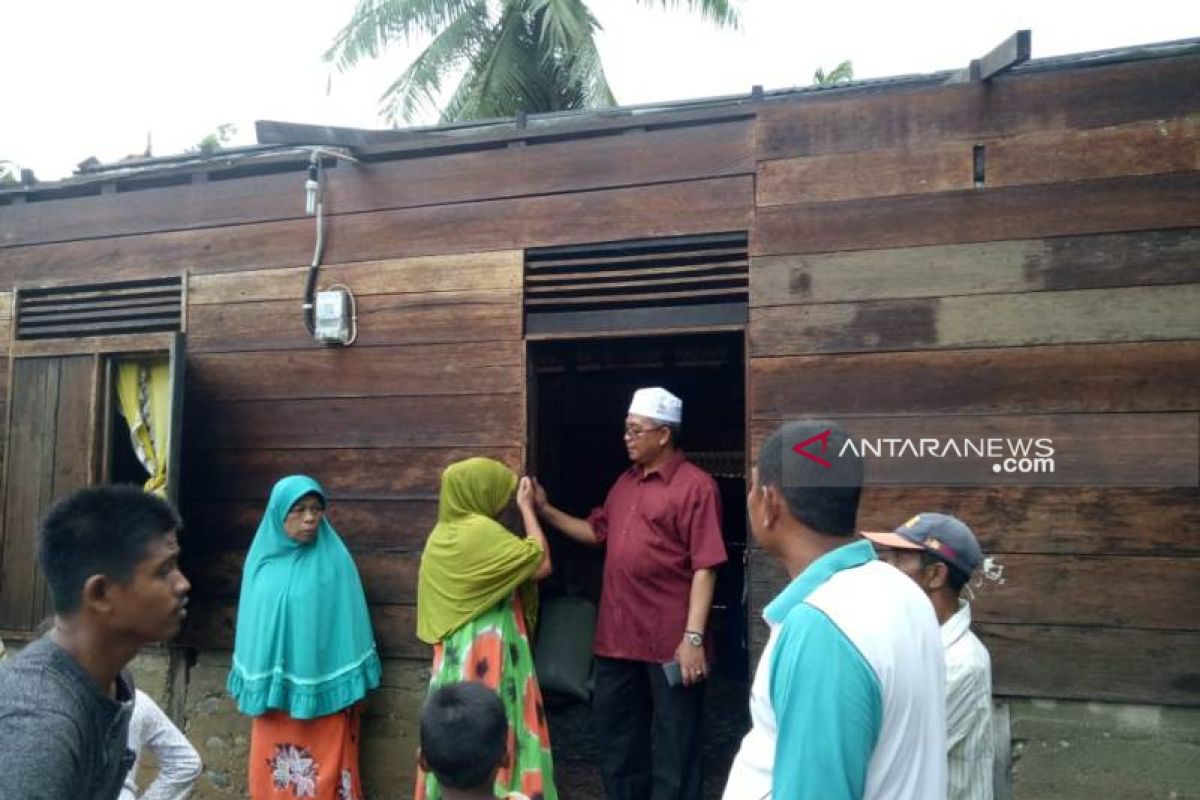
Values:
[(694, 638)]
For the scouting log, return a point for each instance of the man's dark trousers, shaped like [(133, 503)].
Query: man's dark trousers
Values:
[(649, 733)]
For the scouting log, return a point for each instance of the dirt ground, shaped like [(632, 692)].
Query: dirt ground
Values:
[(726, 720)]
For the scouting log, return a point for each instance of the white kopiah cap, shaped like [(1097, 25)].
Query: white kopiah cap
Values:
[(657, 403)]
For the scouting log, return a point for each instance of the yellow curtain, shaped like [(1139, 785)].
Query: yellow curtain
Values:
[(144, 394)]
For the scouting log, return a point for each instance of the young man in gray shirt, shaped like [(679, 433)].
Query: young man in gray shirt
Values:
[(110, 556)]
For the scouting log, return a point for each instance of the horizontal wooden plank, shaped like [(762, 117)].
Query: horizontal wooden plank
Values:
[(376, 473), (386, 577), (1140, 148), (980, 215), (873, 173), (468, 272), (1115, 591), (396, 525), (442, 421), (513, 132), (124, 344), (211, 626), (1009, 104), (1052, 520), (383, 319), (1134, 314), (1131, 666), (1158, 376), (669, 209), (1071, 262), (647, 157), (493, 368), (620, 321), (1146, 592)]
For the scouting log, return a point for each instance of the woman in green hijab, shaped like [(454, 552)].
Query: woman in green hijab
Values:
[(476, 603), (304, 654)]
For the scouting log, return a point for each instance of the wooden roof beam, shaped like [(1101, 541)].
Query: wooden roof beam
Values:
[(1014, 50)]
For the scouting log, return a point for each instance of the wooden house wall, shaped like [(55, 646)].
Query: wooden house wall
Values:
[(431, 244), (885, 285)]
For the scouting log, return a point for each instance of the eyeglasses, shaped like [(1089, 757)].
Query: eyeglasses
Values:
[(301, 510), (636, 433)]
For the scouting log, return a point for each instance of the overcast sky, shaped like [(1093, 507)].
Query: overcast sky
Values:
[(84, 78)]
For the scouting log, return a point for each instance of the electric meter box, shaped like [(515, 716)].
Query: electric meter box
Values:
[(331, 320)]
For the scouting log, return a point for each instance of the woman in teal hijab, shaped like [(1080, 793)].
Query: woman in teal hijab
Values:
[(304, 655)]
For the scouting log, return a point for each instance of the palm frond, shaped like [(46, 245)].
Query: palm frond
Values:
[(564, 24), (568, 38), (586, 71), (719, 12), (375, 24), (842, 73), (495, 76), (420, 85)]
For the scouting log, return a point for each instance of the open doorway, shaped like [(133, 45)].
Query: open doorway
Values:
[(579, 393)]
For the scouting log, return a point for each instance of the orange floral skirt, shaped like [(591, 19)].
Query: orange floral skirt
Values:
[(296, 758)]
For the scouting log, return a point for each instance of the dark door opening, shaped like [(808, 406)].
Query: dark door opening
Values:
[(579, 393)]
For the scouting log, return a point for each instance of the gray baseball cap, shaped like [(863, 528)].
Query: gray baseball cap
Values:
[(943, 536)]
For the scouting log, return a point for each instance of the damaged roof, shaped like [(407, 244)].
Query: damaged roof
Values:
[(285, 145)]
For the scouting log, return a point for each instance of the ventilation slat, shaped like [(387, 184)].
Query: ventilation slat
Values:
[(100, 309), (127, 326), (142, 306), (656, 257), (737, 266), (651, 274), (668, 243), (673, 282), (96, 296), (636, 298)]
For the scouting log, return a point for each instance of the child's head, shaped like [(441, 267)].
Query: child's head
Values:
[(464, 734)]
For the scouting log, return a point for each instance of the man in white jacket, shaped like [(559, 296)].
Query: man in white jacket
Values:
[(940, 553)]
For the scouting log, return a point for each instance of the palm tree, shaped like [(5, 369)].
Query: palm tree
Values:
[(513, 55), (842, 73)]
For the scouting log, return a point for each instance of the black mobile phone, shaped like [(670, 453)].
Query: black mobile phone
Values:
[(673, 673)]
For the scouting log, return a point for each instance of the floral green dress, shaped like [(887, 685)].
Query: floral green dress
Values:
[(493, 649)]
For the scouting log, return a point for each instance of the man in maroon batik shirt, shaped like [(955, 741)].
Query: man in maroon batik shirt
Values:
[(661, 529)]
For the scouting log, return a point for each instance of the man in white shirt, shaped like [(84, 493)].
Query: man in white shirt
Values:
[(848, 697), (940, 553), (178, 762)]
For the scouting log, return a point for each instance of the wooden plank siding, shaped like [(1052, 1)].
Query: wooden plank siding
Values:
[(1089, 316), (1008, 105), (1099, 261), (884, 284), (420, 179), (1058, 156), (1143, 202), (668, 209), (887, 285), (436, 375)]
